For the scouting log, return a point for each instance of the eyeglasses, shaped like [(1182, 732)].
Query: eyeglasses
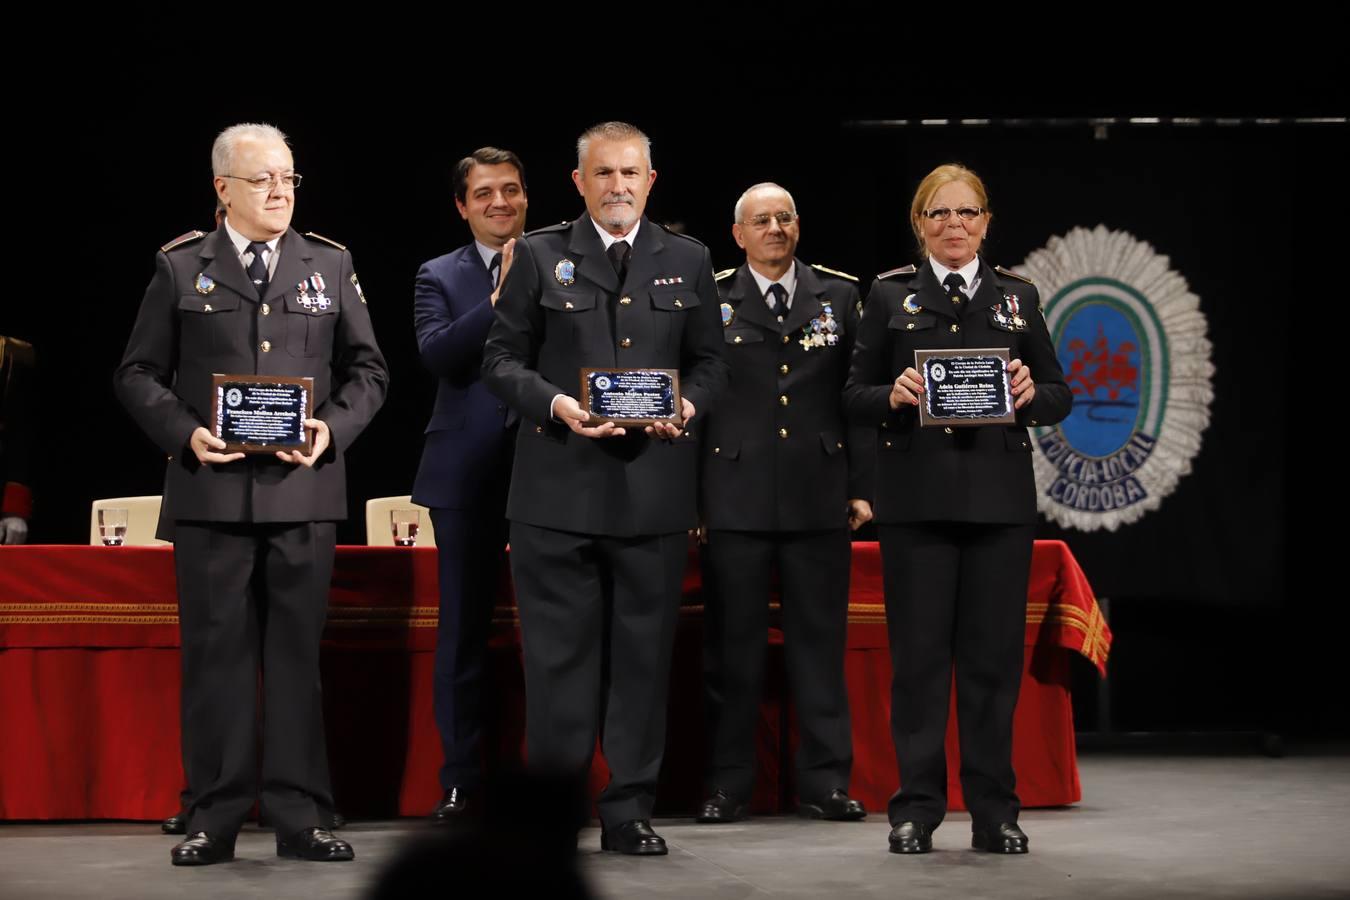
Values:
[(289, 181), (784, 219), (942, 213)]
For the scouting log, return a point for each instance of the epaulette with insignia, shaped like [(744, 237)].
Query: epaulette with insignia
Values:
[(725, 273), (1011, 274), (903, 270), (828, 271), (183, 239), (329, 241), (679, 234), (561, 226)]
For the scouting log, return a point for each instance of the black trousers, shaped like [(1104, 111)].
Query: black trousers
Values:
[(597, 623), (252, 600), (471, 550), (813, 575), (956, 593)]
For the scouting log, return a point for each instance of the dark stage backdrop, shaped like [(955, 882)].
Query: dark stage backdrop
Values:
[(1238, 210)]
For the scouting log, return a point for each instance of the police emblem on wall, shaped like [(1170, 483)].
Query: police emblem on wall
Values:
[(1131, 339)]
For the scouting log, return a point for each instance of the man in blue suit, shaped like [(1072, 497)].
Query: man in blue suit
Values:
[(466, 462)]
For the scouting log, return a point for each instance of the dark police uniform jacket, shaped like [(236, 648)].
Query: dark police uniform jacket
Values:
[(969, 474), (553, 317), (779, 455), (201, 315)]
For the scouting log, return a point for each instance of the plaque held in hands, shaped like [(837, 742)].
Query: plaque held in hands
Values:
[(631, 397), (262, 413), (965, 387)]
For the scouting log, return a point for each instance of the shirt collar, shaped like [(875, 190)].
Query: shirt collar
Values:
[(241, 243), (788, 281), (607, 239), (970, 272), (486, 253)]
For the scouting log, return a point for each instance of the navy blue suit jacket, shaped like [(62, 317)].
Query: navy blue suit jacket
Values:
[(469, 427)]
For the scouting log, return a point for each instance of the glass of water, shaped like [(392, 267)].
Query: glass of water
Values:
[(112, 526), (404, 523)]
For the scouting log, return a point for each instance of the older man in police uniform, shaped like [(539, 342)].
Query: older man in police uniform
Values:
[(783, 482), (254, 535), (599, 513)]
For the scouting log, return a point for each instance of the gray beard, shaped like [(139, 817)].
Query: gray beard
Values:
[(623, 224)]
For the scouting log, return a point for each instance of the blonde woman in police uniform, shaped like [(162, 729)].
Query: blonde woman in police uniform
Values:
[(955, 509)]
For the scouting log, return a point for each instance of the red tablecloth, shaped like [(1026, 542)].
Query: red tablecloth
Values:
[(89, 678)]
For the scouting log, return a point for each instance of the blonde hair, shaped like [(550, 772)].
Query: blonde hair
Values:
[(933, 182)]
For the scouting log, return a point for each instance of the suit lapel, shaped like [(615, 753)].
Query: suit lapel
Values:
[(806, 299), (220, 263), (990, 291), (644, 265), (588, 253), (293, 267), (929, 292), (744, 295), (470, 267)]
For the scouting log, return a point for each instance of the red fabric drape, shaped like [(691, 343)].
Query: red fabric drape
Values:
[(89, 678)]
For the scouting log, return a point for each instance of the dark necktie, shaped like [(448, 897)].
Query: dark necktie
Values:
[(779, 293), (953, 283), (257, 270), (618, 254), (494, 270)]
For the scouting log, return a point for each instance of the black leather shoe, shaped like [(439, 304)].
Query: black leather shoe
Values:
[(911, 837), (720, 809), (317, 845), (1005, 837), (201, 850), (451, 807), (838, 807), (176, 823), (634, 838)]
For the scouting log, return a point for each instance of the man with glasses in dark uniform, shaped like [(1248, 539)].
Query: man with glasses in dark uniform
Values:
[(254, 535), (783, 480)]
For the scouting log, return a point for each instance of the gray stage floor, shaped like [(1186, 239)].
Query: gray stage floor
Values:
[(1148, 826)]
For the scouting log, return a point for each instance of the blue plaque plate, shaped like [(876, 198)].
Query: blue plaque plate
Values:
[(262, 413), (631, 396)]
